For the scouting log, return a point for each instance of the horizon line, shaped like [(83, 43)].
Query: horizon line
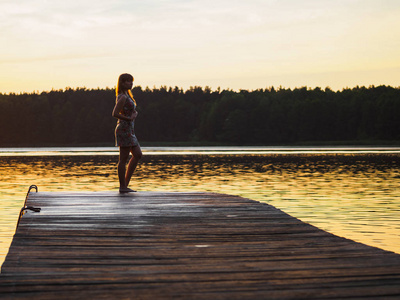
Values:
[(218, 89)]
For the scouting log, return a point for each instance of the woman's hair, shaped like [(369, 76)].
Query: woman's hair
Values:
[(122, 78)]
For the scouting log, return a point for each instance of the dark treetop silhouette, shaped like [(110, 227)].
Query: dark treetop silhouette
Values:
[(266, 116)]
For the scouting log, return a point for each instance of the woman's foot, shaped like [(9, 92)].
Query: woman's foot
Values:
[(126, 190)]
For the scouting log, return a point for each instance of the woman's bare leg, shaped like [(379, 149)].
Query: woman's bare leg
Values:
[(136, 156), (123, 158)]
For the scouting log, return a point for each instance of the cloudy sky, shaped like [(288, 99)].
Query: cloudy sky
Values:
[(233, 44)]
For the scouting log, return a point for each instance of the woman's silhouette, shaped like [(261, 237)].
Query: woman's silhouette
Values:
[(125, 138)]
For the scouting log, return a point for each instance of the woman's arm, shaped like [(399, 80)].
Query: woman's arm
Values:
[(118, 108)]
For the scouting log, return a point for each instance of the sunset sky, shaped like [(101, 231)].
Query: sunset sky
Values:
[(221, 43)]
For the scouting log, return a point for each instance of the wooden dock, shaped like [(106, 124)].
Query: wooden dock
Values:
[(150, 245)]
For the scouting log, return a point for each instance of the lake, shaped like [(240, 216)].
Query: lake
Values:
[(349, 191)]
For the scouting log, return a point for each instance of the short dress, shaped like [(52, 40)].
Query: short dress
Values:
[(124, 132)]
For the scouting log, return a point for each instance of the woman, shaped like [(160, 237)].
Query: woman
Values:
[(125, 112)]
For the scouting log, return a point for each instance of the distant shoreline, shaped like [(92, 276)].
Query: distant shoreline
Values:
[(355, 143), (184, 151)]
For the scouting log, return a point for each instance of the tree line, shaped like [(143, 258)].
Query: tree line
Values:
[(77, 117)]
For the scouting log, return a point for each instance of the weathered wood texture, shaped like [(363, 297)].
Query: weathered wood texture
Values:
[(184, 245)]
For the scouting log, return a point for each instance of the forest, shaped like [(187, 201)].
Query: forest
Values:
[(201, 116)]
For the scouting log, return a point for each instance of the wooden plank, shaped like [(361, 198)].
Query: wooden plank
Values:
[(184, 245)]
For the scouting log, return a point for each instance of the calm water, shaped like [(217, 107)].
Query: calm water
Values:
[(350, 192)]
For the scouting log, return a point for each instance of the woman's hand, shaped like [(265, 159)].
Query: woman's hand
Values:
[(133, 115)]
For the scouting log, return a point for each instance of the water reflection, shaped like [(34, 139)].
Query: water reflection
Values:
[(351, 195)]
